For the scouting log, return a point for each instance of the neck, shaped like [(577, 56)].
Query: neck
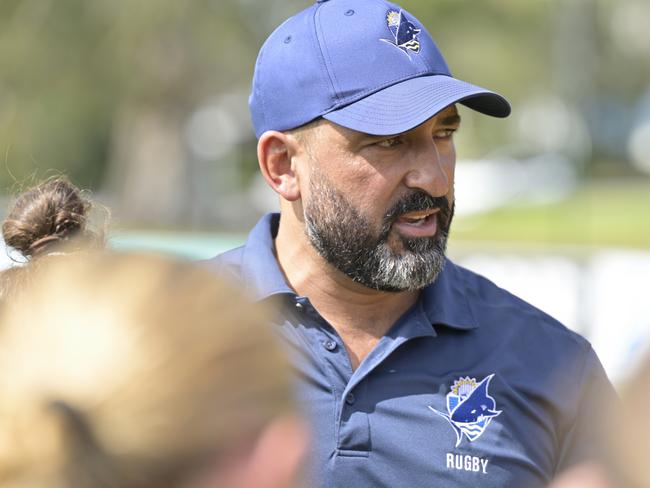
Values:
[(351, 308)]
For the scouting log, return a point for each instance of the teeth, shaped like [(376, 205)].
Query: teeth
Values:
[(417, 216), (417, 219)]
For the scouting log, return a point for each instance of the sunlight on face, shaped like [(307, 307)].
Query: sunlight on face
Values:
[(366, 220)]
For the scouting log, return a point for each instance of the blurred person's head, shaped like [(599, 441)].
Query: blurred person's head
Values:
[(48, 219), (127, 370), (626, 463), (631, 430)]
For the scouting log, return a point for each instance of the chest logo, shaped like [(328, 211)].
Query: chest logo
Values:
[(470, 408), (405, 34)]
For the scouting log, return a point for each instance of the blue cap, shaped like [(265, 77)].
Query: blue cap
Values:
[(367, 65)]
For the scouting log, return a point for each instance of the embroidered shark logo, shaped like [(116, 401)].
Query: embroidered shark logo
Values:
[(405, 34), (470, 408)]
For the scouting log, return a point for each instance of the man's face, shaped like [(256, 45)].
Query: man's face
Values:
[(379, 208)]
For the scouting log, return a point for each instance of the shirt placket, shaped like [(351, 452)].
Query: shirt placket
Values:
[(353, 436)]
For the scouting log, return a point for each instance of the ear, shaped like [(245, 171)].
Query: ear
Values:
[(275, 152)]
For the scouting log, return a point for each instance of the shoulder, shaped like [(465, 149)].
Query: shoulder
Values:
[(227, 264), (551, 359), (498, 310)]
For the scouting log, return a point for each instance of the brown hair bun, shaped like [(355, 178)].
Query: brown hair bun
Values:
[(45, 216)]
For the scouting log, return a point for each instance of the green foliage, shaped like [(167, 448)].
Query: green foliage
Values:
[(69, 68)]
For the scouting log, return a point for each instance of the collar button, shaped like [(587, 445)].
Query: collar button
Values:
[(350, 399)]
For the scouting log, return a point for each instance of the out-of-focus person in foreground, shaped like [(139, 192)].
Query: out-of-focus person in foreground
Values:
[(627, 463), (630, 434), (128, 370), (48, 219)]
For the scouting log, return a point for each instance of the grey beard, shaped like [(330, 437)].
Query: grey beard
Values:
[(343, 238), (411, 271)]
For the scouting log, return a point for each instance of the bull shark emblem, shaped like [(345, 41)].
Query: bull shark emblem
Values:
[(405, 33), (470, 408)]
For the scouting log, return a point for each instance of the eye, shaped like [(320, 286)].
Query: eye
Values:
[(390, 142), (444, 133)]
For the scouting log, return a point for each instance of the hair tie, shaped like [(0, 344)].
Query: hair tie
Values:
[(39, 244)]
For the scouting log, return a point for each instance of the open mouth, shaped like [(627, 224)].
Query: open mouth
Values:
[(420, 223)]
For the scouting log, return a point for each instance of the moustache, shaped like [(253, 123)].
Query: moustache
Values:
[(419, 200)]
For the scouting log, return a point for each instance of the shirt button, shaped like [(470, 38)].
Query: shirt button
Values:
[(300, 307), (329, 345), (349, 399)]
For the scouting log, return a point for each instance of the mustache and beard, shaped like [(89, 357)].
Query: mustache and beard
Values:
[(344, 238)]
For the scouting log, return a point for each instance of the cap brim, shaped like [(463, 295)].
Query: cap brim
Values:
[(409, 103)]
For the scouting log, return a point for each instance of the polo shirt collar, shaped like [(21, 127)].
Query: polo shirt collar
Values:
[(260, 267), (444, 302)]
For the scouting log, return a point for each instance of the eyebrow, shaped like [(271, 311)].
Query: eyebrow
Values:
[(451, 120)]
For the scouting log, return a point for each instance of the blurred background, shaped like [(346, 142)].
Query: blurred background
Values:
[(145, 103)]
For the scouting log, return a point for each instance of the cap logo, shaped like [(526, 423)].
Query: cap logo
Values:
[(404, 33)]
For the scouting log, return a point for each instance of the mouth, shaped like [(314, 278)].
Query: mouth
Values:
[(419, 223)]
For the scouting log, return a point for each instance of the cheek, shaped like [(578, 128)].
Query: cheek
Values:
[(374, 191), (367, 196), (362, 183), (448, 164), (366, 185)]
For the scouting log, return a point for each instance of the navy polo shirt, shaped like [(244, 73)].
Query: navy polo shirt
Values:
[(470, 387)]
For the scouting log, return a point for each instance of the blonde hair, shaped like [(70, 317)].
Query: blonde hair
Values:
[(127, 370)]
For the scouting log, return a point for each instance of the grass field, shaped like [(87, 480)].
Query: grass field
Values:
[(598, 215)]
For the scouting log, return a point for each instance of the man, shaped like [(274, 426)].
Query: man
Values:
[(413, 371)]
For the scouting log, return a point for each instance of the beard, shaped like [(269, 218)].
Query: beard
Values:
[(344, 238)]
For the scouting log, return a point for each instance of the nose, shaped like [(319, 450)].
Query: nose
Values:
[(429, 169)]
